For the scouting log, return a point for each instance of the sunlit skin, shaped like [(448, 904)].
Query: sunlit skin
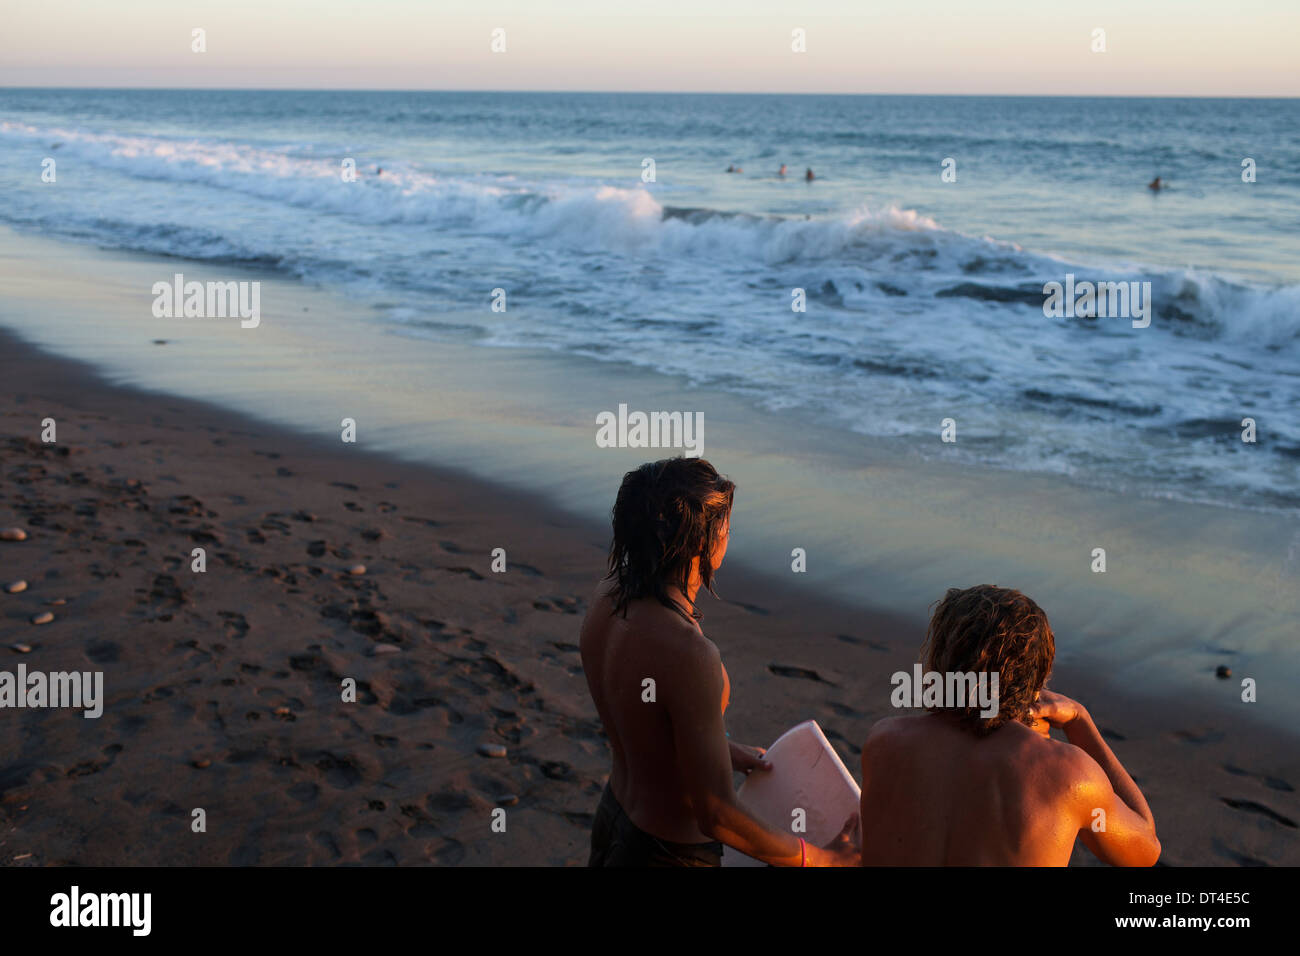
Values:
[(673, 764), (934, 794)]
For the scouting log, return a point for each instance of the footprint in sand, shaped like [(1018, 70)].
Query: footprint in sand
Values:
[(87, 767), (1207, 736), (339, 772), (451, 852), (557, 770), (564, 605), (427, 522), (782, 670), (447, 800), (304, 792), (1273, 783), (843, 710), (103, 652), (1250, 806), (863, 642), (236, 625), (327, 843), (1241, 859)]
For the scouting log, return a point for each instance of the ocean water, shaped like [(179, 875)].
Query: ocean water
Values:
[(924, 298)]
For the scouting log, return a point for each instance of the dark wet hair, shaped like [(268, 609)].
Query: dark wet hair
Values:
[(988, 629), (666, 514)]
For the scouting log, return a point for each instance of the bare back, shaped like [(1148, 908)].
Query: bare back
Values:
[(618, 655), (934, 794)]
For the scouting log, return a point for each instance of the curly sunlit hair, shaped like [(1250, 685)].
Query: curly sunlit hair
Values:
[(667, 513), (988, 629)]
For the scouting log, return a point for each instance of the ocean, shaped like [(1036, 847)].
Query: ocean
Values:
[(922, 294)]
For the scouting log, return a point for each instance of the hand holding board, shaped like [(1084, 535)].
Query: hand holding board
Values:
[(807, 774)]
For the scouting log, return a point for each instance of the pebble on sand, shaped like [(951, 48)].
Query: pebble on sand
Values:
[(379, 649), (357, 569), (492, 750), (507, 800), (57, 602), (13, 534), (21, 648), (16, 587), (201, 764), (43, 618), (1223, 671)]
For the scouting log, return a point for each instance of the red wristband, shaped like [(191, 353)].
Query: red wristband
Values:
[(803, 853)]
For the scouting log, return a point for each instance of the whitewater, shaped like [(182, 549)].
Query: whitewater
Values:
[(912, 312)]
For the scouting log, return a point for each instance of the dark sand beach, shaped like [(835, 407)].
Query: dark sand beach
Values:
[(223, 688)]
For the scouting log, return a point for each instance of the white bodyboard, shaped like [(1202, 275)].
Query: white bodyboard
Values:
[(806, 774)]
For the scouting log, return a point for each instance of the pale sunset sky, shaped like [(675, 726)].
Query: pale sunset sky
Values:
[(1018, 47)]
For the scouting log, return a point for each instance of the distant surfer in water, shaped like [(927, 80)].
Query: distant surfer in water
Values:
[(1156, 185), (970, 784), (734, 169), (660, 688), (808, 176), (781, 171)]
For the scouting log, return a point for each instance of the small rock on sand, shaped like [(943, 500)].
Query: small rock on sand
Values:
[(508, 800), (16, 587), (21, 648), (379, 649), (201, 764), (43, 618), (492, 750), (57, 602), (13, 534), (357, 569), (1223, 671)]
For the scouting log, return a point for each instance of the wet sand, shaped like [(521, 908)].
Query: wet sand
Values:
[(223, 687)]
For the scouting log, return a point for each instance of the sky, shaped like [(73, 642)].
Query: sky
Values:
[(1015, 47)]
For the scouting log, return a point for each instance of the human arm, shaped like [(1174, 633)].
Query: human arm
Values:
[(1125, 833), (704, 759)]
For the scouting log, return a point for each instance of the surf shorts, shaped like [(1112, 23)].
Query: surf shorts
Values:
[(617, 841)]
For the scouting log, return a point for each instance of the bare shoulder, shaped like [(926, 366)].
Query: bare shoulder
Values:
[(1065, 772), (1082, 774), (671, 636), (891, 727), (889, 732), (685, 638)]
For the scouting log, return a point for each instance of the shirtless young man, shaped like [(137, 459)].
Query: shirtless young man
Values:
[(670, 800), (951, 788)]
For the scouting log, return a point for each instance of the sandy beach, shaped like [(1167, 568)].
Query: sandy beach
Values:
[(223, 688)]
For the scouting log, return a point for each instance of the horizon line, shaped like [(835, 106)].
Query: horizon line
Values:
[(394, 89)]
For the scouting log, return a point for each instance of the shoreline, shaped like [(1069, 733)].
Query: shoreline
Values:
[(481, 657), (885, 523)]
